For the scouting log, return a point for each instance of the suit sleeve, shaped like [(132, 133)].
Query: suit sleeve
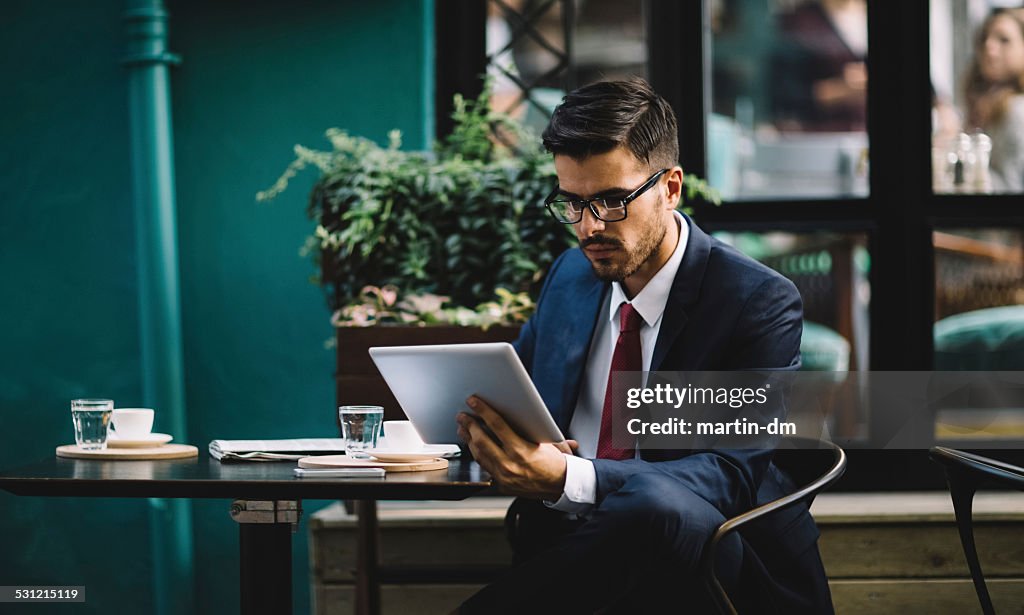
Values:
[(525, 343), (766, 336)]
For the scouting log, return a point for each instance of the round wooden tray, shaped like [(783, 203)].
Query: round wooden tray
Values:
[(167, 451), (343, 461)]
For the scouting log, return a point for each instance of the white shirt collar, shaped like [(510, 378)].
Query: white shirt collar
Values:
[(651, 300)]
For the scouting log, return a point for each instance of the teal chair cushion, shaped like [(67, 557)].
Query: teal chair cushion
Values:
[(822, 349), (989, 339)]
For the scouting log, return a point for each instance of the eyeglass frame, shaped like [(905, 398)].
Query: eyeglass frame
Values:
[(626, 200)]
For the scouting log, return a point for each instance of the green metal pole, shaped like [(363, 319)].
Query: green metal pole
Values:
[(163, 384), (427, 72)]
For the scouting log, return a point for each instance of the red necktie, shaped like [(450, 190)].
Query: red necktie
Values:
[(626, 358)]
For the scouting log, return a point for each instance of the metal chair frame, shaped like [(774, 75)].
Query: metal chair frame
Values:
[(805, 493), (965, 473)]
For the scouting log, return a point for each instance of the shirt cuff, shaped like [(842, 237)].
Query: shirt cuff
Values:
[(580, 492)]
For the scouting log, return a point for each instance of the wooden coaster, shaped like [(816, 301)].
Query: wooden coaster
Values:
[(343, 461), (167, 451)]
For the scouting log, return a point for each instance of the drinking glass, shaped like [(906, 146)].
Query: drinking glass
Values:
[(360, 427), (91, 418)]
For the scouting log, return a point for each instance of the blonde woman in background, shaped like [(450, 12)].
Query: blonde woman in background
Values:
[(995, 95)]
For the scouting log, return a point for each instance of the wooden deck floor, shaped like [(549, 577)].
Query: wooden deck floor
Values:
[(885, 553)]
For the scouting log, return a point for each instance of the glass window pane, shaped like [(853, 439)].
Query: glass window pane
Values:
[(977, 71), (789, 99), (979, 322), (527, 56), (532, 65), (610, 41), (831, 272)]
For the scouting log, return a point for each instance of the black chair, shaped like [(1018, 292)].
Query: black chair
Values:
[(811, 463), (965, 473)]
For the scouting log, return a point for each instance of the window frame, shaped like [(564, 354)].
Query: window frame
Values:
[(898, 215)]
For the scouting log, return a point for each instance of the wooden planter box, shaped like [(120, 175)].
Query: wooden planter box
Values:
[(357, 381)]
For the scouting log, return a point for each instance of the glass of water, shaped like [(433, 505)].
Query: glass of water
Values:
[(360, 427), (91, 418)]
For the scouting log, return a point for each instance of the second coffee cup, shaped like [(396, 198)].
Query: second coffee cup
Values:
[(129, 423), (401, 436)]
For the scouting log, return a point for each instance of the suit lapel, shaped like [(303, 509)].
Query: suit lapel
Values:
[(684, 293), (585, 309)]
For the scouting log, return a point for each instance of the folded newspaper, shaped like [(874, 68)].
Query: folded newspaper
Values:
[(275, 450)]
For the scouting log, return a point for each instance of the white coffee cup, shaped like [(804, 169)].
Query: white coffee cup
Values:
[(401, 436), (130, 423)]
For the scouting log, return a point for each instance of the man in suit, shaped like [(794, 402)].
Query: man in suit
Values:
[(602, 529)]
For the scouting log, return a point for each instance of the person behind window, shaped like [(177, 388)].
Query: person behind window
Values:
[(995, 95), (819, 76)]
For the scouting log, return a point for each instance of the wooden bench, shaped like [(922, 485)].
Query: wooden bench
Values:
[(885, 553)]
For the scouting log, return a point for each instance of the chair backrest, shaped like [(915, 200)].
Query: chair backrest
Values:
[(965, 472), (805, 460), (985, 468), (813, 465)]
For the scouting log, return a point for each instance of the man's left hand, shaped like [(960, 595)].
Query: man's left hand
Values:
[(520, 467)]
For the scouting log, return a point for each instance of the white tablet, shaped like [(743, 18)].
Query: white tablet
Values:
[(432, 383)]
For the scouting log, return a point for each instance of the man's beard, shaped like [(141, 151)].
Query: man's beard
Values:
[(646, 246)]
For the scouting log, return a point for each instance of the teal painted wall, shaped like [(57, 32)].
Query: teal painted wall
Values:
[(68, 308), (256, 78)]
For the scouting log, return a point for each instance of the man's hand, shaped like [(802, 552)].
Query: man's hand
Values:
[(520, 467)]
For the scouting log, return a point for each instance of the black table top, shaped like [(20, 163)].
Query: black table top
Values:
[(206, 477)]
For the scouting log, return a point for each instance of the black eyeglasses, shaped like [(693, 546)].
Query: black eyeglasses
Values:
[(607, 209)]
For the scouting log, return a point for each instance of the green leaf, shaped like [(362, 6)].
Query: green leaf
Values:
[(464, 220)]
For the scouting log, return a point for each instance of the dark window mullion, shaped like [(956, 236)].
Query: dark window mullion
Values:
[(756, 212), (790, 225), (677, 60), (977, 210), (460, 56), (902, 272), (899, 129)]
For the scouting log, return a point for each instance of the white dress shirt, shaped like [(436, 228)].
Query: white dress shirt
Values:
[(580, 492)]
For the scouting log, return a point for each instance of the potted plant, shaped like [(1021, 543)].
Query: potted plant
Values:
[(455, 238)]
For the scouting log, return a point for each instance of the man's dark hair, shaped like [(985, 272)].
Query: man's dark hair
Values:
[(599, 117)]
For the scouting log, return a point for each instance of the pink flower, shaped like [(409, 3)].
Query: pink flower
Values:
[(389, 294)]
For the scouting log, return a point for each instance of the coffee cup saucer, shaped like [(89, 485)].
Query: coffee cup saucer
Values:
[(148, 440), (421, 453)]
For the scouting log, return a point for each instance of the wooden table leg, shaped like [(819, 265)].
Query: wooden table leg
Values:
[(367, 558)]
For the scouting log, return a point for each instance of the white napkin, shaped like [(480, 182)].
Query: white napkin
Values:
[(275, 450)]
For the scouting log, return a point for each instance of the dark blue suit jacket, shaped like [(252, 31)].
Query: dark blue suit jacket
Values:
[(725, 311)]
